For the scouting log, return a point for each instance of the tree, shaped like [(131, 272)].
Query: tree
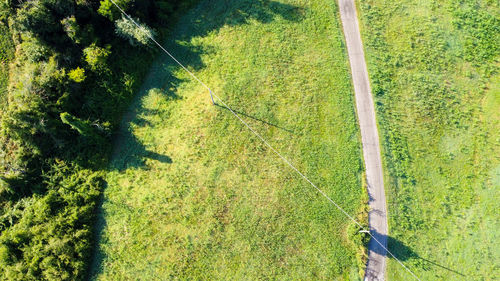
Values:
[(96, 56), (108, 10), (136, 35), (84, 128), (71, 28), (77, 75)]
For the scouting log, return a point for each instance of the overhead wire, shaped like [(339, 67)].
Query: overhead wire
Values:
[(265, 141)]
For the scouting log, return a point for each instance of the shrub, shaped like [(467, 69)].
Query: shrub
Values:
[(72, 28), (77, 75), (136, 35), (96, 56)]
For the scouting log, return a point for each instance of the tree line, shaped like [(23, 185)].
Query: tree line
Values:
[(75, 67)]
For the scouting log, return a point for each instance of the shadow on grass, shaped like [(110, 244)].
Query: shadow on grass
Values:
[(136, 158), (238, 12), (130, 152), (255, 118), (98, 256), (201, 20), (212, 15), (404, 253), (206, 17)]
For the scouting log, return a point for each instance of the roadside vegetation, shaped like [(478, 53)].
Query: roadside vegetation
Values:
[(192, 194), (434, 69), (70, 78)]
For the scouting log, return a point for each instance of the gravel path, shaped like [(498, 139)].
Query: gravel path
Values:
[(375, 268)]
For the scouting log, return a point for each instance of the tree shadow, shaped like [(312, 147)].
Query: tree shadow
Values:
[(98, 256), (136, 155), (215, 14), (403, 252), (208, 16), (129, 151), (212, 15)]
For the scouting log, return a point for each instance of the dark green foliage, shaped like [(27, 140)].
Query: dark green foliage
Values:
[(52, 230), (84, 128), (6, 55), (357, 236), (70, 80), (6, 45), (97, 57)]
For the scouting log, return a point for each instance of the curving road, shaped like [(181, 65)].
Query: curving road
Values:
[(375, 267)]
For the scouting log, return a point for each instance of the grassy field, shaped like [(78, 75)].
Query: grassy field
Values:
[(192, 194), (434, 68)]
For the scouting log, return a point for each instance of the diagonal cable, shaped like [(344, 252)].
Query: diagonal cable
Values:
[(267, 143)]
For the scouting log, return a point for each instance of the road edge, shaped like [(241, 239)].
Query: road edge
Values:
[(365, 110)]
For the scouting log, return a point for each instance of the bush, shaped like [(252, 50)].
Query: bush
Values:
[(53, 231), (77, 75), (136, 35), (96, 56)]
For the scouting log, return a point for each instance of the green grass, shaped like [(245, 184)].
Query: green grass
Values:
[(434, 68), (192, 194)]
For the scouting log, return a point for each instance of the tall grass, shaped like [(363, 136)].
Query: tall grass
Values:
[(192, 194), (434, 67)]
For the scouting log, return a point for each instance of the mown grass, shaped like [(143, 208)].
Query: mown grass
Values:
[(192, 194), (434, 68)]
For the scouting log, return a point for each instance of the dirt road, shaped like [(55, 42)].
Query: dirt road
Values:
[(375, 268)]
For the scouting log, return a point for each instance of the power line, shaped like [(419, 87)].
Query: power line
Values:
[(265, 142)]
